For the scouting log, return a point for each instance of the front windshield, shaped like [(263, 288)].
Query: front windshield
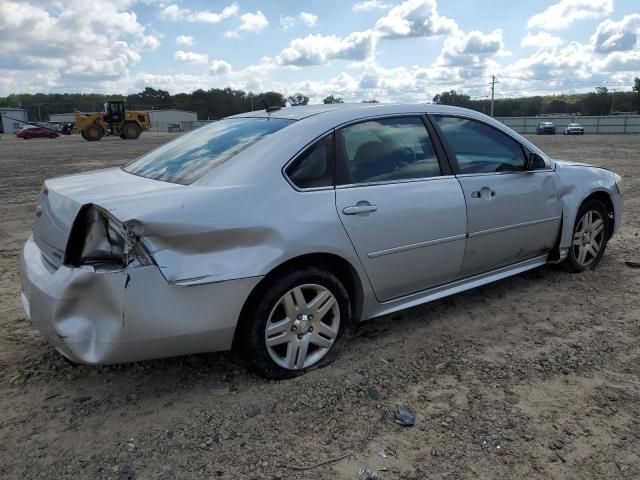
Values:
[(189, 157)]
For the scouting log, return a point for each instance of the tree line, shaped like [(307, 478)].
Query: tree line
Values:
[(600, 102), (218, 103)]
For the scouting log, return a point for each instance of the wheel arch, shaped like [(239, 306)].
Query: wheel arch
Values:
[(572, 202), (335, 264), (604, 197)]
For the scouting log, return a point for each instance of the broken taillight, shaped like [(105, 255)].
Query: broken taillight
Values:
[(98, 239)]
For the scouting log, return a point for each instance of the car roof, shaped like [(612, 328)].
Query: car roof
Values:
[(308, 123), (349, 109)]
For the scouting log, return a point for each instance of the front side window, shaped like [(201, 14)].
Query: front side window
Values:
[(314, 167), (191, 156), (387, 150), (479, 148)]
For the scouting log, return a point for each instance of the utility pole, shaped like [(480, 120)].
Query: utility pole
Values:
[(493, 90), (613, 99)]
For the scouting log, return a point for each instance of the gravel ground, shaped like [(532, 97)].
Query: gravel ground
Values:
[(535, 376)]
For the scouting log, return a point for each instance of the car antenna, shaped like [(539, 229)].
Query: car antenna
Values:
[(268, 108)]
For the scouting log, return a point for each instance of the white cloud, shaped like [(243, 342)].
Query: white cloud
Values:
[(307, 19), (174, 13), (553, 69), (249, 22), (320, 49), (415, 18), (253, 22), (287, 22), (185, 40), (540, 40), (565, 12), (39, 43), (368, 5), (612, 54), (220, 67), (471, 49), (174, 83), (192, 57), (619, 36), (148, 43)]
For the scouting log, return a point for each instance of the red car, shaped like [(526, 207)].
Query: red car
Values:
[(32, 131)]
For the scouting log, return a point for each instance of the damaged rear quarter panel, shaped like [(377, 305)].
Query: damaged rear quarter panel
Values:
[(213, 234)]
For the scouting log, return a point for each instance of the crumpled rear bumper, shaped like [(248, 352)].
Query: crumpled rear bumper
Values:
[(103, 317)]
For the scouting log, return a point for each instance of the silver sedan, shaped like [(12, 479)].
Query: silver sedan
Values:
[(274, 231)]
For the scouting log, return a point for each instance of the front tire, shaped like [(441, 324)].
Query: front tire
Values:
[(130, 131), (93, 132), (590, 236), (296, 323)]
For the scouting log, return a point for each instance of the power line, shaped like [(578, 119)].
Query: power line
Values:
[(552, 80)]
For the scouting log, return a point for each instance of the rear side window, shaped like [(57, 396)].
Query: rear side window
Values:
[(480, 148), (191, 156), (386, 150), (314, 167)]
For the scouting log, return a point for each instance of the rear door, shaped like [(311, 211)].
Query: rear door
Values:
[(401, 207), (512, 214)]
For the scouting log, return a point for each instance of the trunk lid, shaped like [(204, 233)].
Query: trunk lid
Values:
[(61, 198)]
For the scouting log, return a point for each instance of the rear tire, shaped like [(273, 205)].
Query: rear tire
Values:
[(27, 137), (279, 336), (589, 238), (130, 131), (93, 132)]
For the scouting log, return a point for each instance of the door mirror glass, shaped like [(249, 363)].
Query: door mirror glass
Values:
[(535, 162)]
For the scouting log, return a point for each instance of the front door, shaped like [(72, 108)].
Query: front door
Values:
[(405, 219), (512, 214)]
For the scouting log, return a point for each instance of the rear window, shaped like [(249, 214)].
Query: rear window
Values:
[(189, 157)]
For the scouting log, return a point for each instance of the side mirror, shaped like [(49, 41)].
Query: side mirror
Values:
[(534, 162)]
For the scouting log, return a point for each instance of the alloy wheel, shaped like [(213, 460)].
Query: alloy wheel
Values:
[(302, 327), (588, 238)]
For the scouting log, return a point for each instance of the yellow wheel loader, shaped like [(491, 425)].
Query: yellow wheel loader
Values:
[(115, 120)]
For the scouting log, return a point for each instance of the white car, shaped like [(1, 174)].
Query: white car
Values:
[(574, 129)]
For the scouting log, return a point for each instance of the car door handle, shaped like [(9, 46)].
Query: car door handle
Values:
[(483, 192), (361, 207)]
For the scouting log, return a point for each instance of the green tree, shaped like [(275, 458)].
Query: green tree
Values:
[(273, 99), (150, 98), (298, 99), (452, 98), (332, 99), (556, 106), (373, 100), (598, 103)]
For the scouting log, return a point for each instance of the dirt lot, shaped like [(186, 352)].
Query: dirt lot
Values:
[(536, 376)]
